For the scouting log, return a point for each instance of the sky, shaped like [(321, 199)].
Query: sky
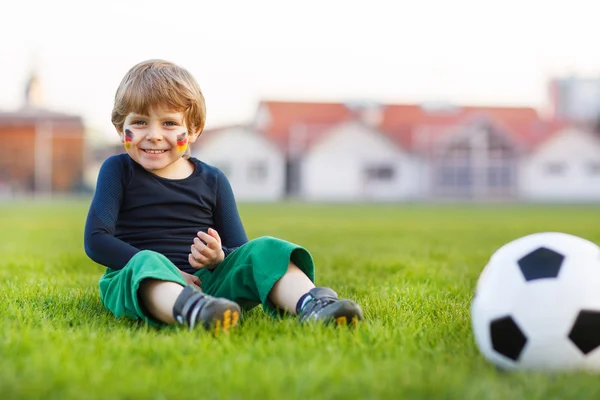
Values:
[(461, 51)]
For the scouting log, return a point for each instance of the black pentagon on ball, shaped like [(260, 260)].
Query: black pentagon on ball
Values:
[(541, 263), (585, 333), (507, 337)]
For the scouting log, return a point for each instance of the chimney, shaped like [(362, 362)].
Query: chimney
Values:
[(367, 112), (33, 92)]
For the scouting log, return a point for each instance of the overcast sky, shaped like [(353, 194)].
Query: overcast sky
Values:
[(462, 51)]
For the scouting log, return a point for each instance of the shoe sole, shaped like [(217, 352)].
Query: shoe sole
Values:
[(347, 313), (225, 318), (343, 321), (229, 320)]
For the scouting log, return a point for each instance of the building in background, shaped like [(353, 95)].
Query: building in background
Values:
[(293, 126), (398, 152), (575, 99), (349, 151), (564, 167), (470, 152), (313, 151), (42, 151), (355, 161), (254, 166)]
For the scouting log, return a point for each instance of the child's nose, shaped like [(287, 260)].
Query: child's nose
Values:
[(154, 134)]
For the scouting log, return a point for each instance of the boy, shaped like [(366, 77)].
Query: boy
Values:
[(165, 224)]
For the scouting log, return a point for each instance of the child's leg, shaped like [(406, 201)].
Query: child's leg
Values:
[(290, 288), (322, 304), (150, 287), (296, 294), (159, 297), (248, 275), (279, 275)]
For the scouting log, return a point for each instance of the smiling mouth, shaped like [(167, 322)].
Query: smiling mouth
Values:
[(149, 151)]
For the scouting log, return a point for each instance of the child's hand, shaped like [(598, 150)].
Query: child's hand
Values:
[(191, 280), (207, 255)]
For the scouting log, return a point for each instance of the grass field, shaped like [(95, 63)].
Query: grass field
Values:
[(413, 268)]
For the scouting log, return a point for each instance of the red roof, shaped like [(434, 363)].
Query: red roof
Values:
[(29, 115), (401, 122), (404, 123), (308, 119)]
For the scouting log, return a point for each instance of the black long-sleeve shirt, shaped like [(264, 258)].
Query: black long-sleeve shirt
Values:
[(135, 210)]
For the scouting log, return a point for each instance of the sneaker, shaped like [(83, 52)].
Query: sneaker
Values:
[(324, 305), (194, 307)]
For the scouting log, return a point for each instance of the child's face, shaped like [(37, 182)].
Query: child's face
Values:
[(158, 141)]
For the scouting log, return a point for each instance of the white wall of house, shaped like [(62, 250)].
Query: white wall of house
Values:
[(353, 162), (254, 166), (564, 168), (476, 161)]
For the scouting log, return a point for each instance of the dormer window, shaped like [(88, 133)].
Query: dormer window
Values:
[(555, 168)]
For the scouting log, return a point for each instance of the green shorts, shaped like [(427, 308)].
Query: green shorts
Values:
[(246, 276)]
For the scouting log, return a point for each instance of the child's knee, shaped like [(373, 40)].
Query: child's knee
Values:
[(266, 240)]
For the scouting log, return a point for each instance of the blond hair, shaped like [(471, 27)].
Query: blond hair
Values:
[(158, 83)]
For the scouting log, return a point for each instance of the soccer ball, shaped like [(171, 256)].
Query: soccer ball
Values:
[(537, 304)]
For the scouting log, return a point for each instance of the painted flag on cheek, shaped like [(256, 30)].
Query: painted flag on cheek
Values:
[(182, 142), (128, 139)]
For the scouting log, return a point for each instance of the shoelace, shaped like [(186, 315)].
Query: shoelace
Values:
[(195, 311), (191, 309), (316, 304)]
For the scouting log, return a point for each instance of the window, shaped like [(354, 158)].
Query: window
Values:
[(555, 168), (455, 176), (593, 168), (257, 171), (499, 176), (447, 177), (459, 151), (500, 153), (464, 176), (379, 173)]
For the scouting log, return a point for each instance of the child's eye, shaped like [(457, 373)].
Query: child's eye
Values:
[(170, 123), (138, 122)]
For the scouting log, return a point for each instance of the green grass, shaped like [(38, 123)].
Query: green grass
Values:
[(413, 268)]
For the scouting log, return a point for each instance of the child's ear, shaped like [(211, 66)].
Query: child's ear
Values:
[(194, 135), (121, 135)]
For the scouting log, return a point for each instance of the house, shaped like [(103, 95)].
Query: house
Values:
[(42, 151), (469, 152), (564, 167), (254, 166), (292, 126), (443, 151), (575, 98), (400, 152), (353, 161)]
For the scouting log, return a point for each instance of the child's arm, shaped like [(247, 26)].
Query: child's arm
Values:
[(227, 218), (100, 243)]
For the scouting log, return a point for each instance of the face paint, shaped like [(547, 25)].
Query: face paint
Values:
[(128, 139), (182, 141)]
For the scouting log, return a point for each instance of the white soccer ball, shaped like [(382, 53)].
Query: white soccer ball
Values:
[(537, 304)]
